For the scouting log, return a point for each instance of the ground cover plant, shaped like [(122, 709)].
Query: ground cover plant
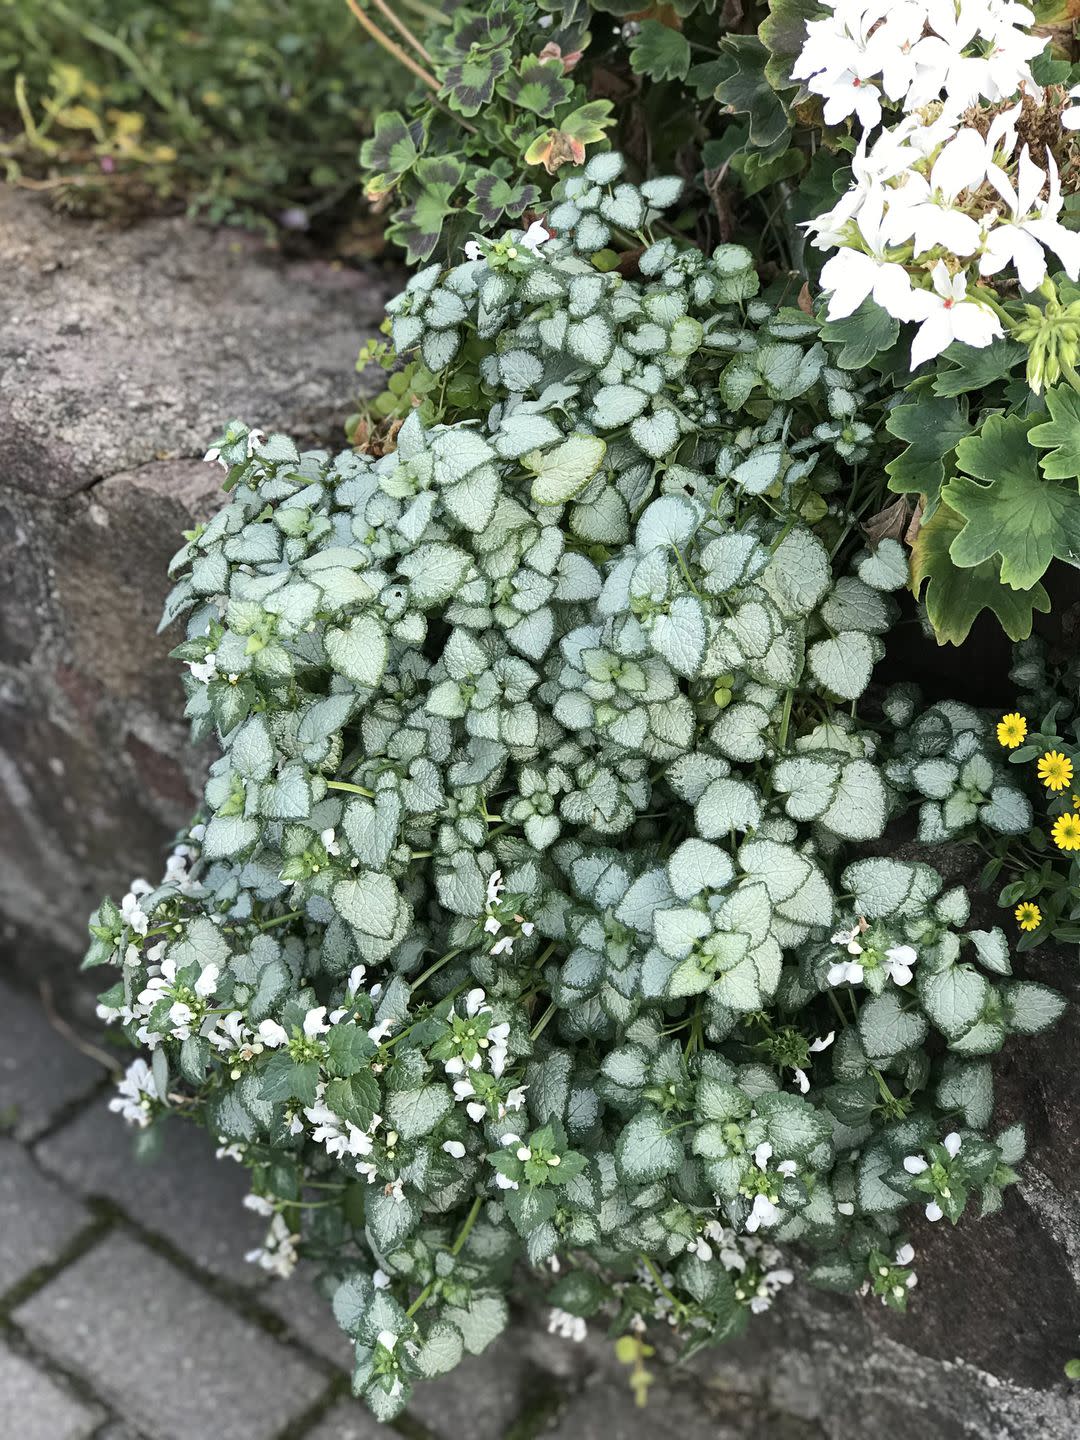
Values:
[(244, 112), (540, 928)]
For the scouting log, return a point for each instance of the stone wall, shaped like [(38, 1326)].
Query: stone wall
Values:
[(122, 354)]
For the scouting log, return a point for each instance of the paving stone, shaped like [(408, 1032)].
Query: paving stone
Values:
[(45, 1411), (606, 1411), (37, 1218), (40, 1072), (350, 1420), (170, 1358), (309, 1315), (482, 1398), (184, 1194)]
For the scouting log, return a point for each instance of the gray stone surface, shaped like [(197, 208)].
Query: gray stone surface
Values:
[(38, 1219), (349, 1421), (41, 1072), (166, 1355), (122, 354), (182, 1195), (36, 1407), (484, 1395), (308, 1316)]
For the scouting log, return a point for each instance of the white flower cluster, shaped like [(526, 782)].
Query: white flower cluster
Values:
[(915, 52), (565, 1325), (949, 197), (279, 1252), (496, 920), (916, 1164), (764, 1210), (896, 960), (135, 1094)]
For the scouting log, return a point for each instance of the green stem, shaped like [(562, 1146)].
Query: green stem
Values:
[(655, 1273), (434, 969), (538, 1027), (352, 789), (455, 1249), (279, 920)]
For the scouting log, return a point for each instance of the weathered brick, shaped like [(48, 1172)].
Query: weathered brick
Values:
[(309, 1316), (38, 1407), (40, 1072), (485, 1394), (184, 1195), (37, 1219), (172, 1359), (349, 1420)]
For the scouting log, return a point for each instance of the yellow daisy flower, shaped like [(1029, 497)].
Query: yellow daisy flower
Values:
[(1066, 832), (1011, 730), (1055, 770), (1028, 915)]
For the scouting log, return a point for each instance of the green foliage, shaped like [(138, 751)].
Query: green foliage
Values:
[(246, 110), (525, 917)]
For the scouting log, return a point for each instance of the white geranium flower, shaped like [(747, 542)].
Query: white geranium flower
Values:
[(851, 275), (947, 314)]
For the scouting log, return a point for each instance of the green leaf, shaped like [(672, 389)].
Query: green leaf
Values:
[(1017, 514), (887, 1029), (1060, 435), (659, 52), (1030, 1007), (955, 596), (416, 1112), (933, 427), (954, 998), (644, 1152), (283, 1079), (369, 902), (861, 335), (562, 473), (795, 1127), (843, 663), (360, 651), (679, 636)]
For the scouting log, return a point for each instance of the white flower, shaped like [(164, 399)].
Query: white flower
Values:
[(915, 1164), (356, 979), (213, 454), (850, 939), (948, 314), (255, 438), (454, 1148), (569, 1327), (845, 1207), (822, 1042), (272, 1034), (132, 913), (278, 1253), (379, 1032), (898, 962), (396, 1191), (905, 1255), (802, 1080), (330, 845), (535, 236), (387, 1339), (339, 1137), (381, 1280), (135, 1094), (315, 1022), (952, 1144), (845, 972), (259, 1204), (204, 670), (934, 1211), (764, 1212)]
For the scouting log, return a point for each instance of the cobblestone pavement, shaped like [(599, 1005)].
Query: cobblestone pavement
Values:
[(127, 1311)]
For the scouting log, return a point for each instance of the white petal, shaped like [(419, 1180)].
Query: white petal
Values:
[(915, 1164), (952, 1144)]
